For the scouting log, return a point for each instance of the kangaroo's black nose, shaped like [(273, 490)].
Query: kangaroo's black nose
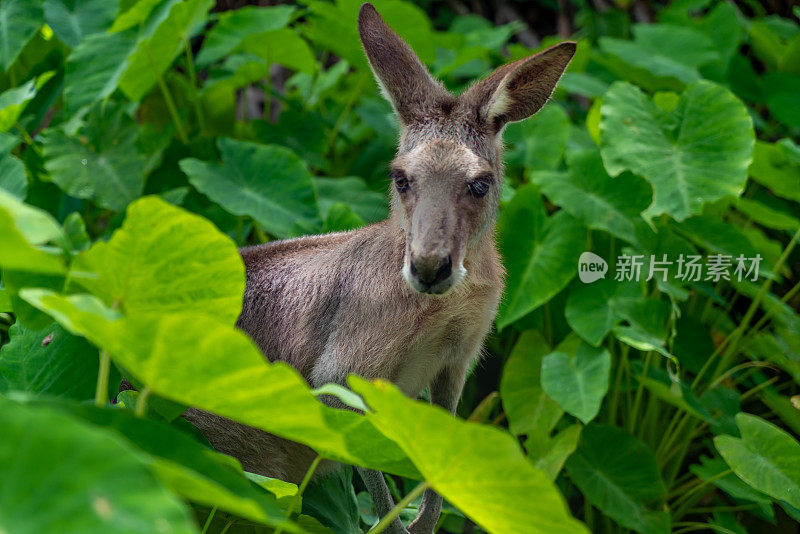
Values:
[(431, 271)]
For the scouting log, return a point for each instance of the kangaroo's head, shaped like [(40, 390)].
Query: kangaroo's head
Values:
[(448, 170)]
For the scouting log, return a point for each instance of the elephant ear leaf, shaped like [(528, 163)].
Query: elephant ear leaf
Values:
[(766, 457), (696, 153)]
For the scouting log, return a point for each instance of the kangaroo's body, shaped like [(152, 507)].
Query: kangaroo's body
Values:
[(409, 299)]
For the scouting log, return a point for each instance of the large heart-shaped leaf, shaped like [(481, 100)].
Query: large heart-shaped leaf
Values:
[(577, 383), (766, 457), (528, 408), (694, 154), (589, 194), (19, 21), (105, 163), (155, 52), (688, 50), (199, 361), (539, 142), (371, 206), (187, 467), (12, 171), (592, 309), (50, 361), (235, 25), (23, 231), (165, 259), (63, 475), (267, 182), (540, 253), (72, 20), (618, 474), (478, 468), (776, 166)]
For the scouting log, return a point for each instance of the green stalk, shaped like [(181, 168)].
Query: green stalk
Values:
[(730, 343), (141, 402), (173, 110), (208, 520), (198, 109), (613, 405), (639, 391), (300, 490), (684, 498), (101, 393), (394, 512)]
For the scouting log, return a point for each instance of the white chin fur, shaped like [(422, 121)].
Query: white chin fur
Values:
[(439, 289)]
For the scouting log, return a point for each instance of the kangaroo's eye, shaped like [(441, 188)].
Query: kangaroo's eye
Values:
[(400, 180), (480, 186)]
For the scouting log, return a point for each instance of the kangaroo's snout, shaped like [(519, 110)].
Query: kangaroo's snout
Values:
[(431, 270)]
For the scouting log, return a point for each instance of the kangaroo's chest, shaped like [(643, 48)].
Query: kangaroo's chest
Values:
[(408, 345)]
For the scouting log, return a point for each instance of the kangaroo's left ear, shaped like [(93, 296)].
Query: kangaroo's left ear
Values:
[(403, 78), (518, 90)]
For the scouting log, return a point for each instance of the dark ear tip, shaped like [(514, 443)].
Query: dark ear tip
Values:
[(366, 12), (568, 47)]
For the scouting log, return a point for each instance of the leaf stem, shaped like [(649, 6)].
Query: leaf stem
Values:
[(198, 109), (141, 401), (208, 520), (300, 490), (173, 110), (399, 507), (101, 393), (637, 401)]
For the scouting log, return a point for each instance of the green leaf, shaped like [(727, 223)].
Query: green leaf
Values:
[(695, 154), (187, 467), (647, 324), (688, 50), (541, 254), (766, 215), (549, 454), (95, 67), (23, 231), (592, 310), (13, 102), (104, 163), (332, 499), (478, 468), (713, 469), (528, 408), (353, 191), (234, 26), (72, 20), (766, 457), (618, 474), (165, 259), (12, 171), (589, 194), (224, 373), (266, 182), (578, 383), (283, 46), (539, 142), (775, 168), (154, 53), (50, 361), (19, 22), (334, 27), (63, 475)]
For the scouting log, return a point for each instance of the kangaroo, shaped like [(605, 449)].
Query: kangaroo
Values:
[(409, 299)]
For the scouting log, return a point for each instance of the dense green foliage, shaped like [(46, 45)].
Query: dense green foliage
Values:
[(142, 141)]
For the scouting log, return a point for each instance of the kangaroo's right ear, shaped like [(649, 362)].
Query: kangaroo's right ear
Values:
[(403, 79), (517, 90)]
